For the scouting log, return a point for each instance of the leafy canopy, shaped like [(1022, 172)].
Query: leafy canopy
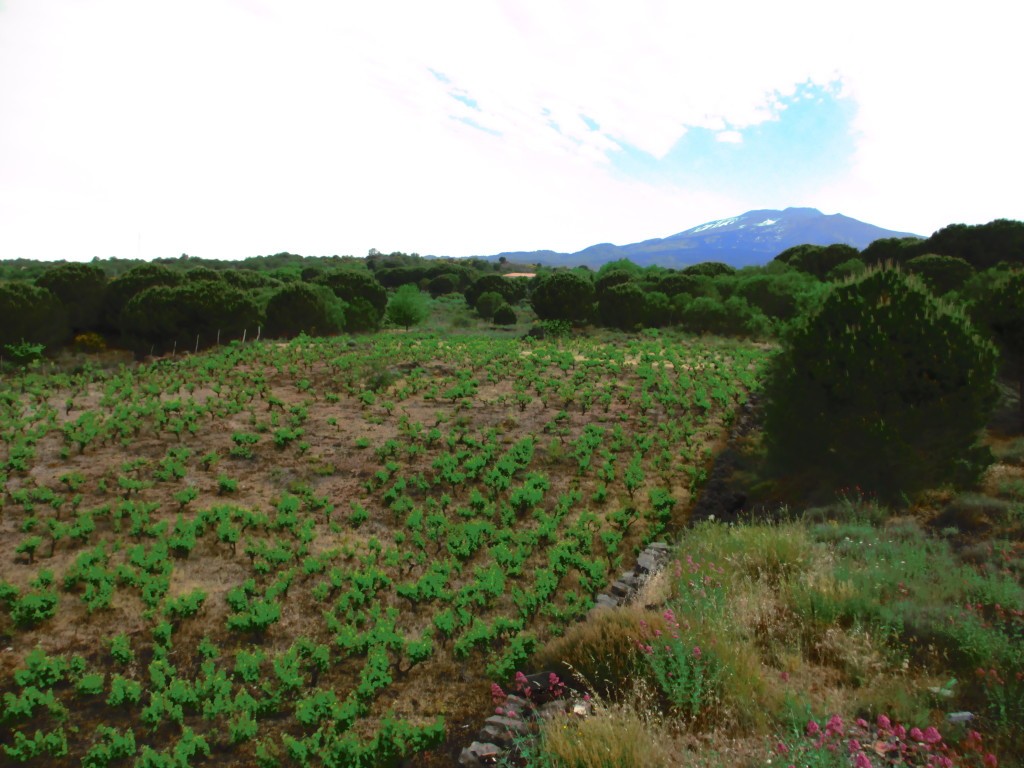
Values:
[(884, 387)]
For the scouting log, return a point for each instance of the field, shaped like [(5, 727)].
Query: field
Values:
[(326, 550)]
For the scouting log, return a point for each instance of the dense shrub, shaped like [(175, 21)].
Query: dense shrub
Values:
[(30, 313), (564, 296), (505, 315), (365, 296), (80, 288), (884, 388), (304, 308)]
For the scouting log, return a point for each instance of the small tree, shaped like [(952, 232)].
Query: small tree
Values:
[(488, 302), (505, 315), (408, 307), (884, 387)]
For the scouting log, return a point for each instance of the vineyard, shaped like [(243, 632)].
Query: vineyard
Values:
[(323, 551)]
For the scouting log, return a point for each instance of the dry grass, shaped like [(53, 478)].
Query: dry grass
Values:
[(616, 736), (603, 650)]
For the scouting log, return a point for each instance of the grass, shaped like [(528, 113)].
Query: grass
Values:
[(811, 619)]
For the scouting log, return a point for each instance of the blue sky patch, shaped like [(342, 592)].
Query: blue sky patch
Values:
[(808, 141)]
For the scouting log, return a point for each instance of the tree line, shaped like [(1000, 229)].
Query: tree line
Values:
[(187, 302)]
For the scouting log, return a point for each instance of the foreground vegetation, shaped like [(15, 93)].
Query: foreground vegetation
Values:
[(795, 642), (320, 551)]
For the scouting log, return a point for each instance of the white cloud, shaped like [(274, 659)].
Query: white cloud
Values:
[(234, 127), (729, 137)]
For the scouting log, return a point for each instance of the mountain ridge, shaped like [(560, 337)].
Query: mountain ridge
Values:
[(751, 238)]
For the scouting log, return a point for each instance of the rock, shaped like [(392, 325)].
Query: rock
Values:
[(606, 601), (479, 753), (646, 563), (621, 590), (503, 731)]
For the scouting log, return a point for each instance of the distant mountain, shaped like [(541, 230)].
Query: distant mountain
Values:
[(752, 238)]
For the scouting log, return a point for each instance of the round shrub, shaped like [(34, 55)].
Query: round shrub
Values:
[(884, 388), (505, 315)]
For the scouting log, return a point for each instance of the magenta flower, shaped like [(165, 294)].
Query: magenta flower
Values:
[(813, 729), (696, 652), (861, 761), (931, 735), (884, 723), (916, 735), (990, 761)]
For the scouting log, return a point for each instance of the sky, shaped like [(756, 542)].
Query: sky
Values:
[(234, 128)]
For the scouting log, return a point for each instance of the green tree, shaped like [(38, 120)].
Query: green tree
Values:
[(941, 273), (564, 295), (408, 307), (1000, 310), (884, 387), (304, 308), (121, 290), (621, 305), (817, 260), (80, 288), (488, 302), (366, 298), (32, 314), (164, 315), (505, 315), (709, 269), (512, 289)]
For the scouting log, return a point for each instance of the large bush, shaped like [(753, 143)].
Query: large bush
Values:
[(366, 298), (80, 288), (303, 308), (167, 315), (883, 388), (564, 296), (30, 313)]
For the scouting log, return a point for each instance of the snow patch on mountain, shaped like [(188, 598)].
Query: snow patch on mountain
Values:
[(716, 224)]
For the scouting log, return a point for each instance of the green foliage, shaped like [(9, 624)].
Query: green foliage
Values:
[(24, 352), (204, 309), (940, 273), (504, 315), (709, 269), (31, 314), (487, 303), (408, 307), (565, 295), (512, 289), (80, 288), (817, 260), (883, 388), (366, 298), (304, 308)]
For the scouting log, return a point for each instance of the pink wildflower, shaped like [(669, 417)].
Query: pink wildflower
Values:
[(931, 735), (861, 761), (990, 761), (884, 723), (497, 694), (834, 725), (813, 729), (696, 652), (784, 677), (916, 735), (854, 746), (781, 749)]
